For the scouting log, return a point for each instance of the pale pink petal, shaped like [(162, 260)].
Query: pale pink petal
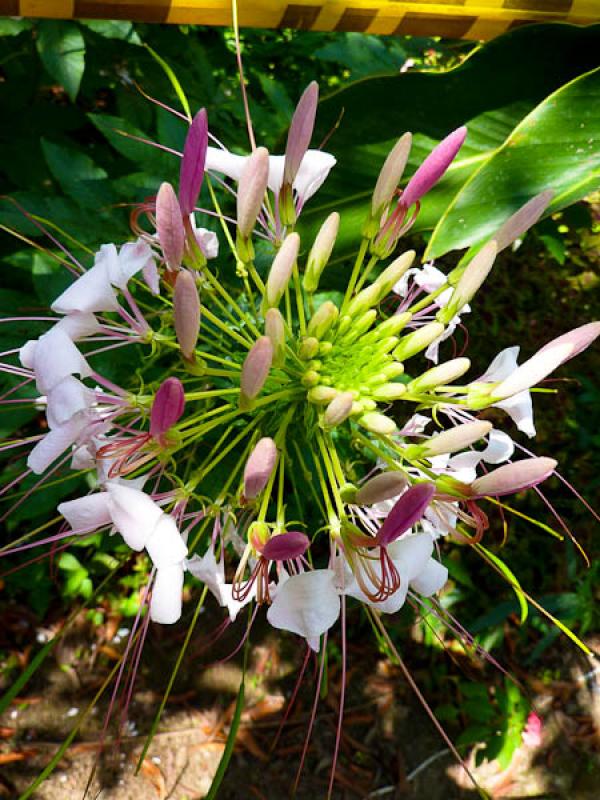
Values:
[(165, 605), (66, 399), (212, 574), (133, 513), (27, 353), (165, 545), (431, 579), (410, 554), (87, 513), (78, 325), (230, 164), (519, 408), (55, 442), (314, 169), (56, 357), (91, 292)]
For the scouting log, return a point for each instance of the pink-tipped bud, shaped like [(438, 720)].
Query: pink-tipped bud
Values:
[(523, 219), (300, 132), (380, 488), (513, 478), (434, 166), (191, 173), (391, 174), (169, 226), (275, 330), (474, 275), (338, 410), (251, 190), (551, 356), (167, 407), (455, 439), (259, 467), (286, 546), (320, 252), (408, 509), (281, 270), (255, 371), (392, 273), (186, 310)]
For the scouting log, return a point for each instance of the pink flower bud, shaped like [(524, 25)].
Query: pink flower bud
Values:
[(186, 307), (408, 509), (281, 270), (474, 275), (275, 330), (167, 407), (512, 478), (391, 174), (382, 487), (259, 467), (523, 219), (533, 733), (169, 226), (320, 252), (251, 190), (285, 546), (338, 410), (434, 166), (254, 371), (300, 132), (191, 173)]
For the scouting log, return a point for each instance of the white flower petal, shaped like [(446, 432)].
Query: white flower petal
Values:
[(78, 325), (133, 513), (502, 366), (307, 604), (230, 164), (87, 513), (165, 545), (165, 605), (90, 292), (431, 579), (66, 399), (519, 408), (313, 171), (27, 353), (55, 443), (411, 553), (121, 267), (212, 574), (55, 358)]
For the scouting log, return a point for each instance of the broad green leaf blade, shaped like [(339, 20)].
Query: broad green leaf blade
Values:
[(62, 50), (556, 146)]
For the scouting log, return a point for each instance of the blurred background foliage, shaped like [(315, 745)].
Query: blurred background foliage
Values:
[(69, 90)]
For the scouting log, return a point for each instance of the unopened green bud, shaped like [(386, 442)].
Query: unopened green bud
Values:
[(348, 493), (393, 325), (359, 326), (275, 330), (364, 300), (322, 320), (368, 404), (255, 370), (344, 324), (281, 270), (418, 340), (357, 408), (439, 376), (322, 395), (325, 347), (392, 274), (389, 392), (310, 378), (309, 348), (394, 370), (258, 535), (338, 410), (379, 423), (386, 345), (391, 174), (320, 252)]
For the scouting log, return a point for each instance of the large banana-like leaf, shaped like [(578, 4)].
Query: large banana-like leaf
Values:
[(492, 92)]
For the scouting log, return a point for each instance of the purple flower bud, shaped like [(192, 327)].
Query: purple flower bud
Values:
[(254, 371), (259, 467), (512, 478), (169, 226), (523, 219), (300, 132), (167, 407), (409, 509), (186, 307), (434, 166), (285, 546), (251, 190), (191, 173)]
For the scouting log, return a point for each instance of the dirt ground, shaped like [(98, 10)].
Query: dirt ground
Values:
[(389, 748)]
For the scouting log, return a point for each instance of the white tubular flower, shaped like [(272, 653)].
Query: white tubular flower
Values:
[(55, 442), (307, 604), (54, 358), (121, 266), (87, 513), (212, 574), (313, 171), (91, 292), (165, 605), (165, 545), (133, 512)]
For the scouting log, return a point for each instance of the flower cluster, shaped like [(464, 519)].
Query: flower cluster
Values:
[(273, 441)]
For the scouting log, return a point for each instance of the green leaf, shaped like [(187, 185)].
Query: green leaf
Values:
[(13, 27), (62, 50), (556, 146), (113, 29)]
